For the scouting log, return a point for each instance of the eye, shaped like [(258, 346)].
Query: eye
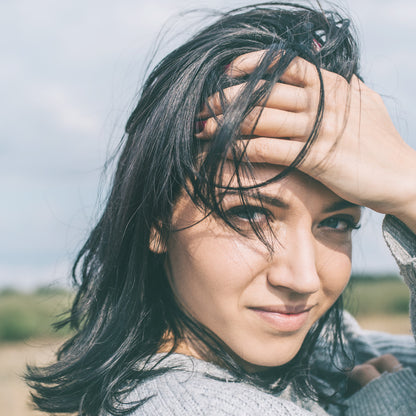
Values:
[(249, 213), (340, 224)]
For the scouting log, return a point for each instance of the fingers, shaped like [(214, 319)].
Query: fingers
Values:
[(272, 151), (286, 97), (282, 96), (272, 122), (299, 72), (362, 374), (385, 363), (264, 122), (246, 64)]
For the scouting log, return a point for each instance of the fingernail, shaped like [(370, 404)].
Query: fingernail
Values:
[(316, 45), (200, 125)]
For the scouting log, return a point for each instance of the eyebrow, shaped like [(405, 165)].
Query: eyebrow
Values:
[(340, 205), (279, 203), (271, 200), (276, 202)]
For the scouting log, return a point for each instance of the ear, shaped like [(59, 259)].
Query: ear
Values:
[(156, 243)]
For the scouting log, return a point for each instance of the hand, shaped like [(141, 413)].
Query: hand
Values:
[(362, 374), (358, 153)]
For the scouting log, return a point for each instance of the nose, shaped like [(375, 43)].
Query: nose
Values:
[(293, 265)]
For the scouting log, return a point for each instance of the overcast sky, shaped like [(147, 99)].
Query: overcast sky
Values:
[(69, 74)]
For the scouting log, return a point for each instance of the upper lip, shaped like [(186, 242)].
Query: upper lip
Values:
[(287, 309)]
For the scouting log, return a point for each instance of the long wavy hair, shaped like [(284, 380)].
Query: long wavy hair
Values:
[(124, 304)]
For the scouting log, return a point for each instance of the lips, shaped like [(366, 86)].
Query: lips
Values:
[(286, 309), (284, 318)]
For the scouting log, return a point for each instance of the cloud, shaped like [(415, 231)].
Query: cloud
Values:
[(68, 112), (69, 73)]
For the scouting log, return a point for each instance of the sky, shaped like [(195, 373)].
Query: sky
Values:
[(70, 73)]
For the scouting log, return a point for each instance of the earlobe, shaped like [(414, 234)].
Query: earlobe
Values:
[(157, 244)]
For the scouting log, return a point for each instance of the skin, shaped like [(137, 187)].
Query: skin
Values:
[(358, 157), (223, 278), (362, 374), (358, 154)]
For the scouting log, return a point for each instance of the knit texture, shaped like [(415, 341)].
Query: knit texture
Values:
[(404, 250), (378, 398), (199, 388), (194, 387)]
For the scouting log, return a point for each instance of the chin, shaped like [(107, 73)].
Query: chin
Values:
[(274, 357)]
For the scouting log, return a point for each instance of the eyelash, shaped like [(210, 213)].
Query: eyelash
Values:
[(351, 223), (241, 213)]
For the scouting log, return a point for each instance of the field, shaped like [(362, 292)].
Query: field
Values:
[(14, 396), (31, 315), (26, 335)]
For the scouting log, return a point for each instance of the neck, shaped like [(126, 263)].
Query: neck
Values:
[(185, 347)]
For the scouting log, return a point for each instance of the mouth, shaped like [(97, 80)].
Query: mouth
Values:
[(284, 318)]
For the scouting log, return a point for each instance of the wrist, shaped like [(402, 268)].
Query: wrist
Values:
[(403, 198), (406, 213), (410, 222)]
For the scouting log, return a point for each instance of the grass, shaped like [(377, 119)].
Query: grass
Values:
[(31, 315), (369, 296)]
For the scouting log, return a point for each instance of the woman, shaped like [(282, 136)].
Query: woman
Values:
[(212, 282)]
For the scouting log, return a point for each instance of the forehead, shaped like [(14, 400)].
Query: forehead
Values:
[(297, 192), (295, 184)]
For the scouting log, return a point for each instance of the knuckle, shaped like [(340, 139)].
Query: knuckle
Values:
[(262, 151), (388, 357), (376, 96), (333, 79), (329, 126), (363, 368), (308, 122), (363, 371), (385, 358), (210, 126)]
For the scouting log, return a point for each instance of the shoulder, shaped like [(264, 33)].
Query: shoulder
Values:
[(184, 392)]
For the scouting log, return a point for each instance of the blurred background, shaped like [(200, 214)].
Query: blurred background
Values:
[(70, 73)]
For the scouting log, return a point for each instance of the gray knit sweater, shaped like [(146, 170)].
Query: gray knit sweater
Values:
[(195, 387)]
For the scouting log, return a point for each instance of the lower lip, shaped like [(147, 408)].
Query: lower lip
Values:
[(283, 322)]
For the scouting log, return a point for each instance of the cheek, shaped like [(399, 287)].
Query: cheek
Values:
[(334, 269), (210, 270)]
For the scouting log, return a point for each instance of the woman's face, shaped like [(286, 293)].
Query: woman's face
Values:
[(262, 304)]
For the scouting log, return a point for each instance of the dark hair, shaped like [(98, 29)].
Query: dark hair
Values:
[(124, 304)]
